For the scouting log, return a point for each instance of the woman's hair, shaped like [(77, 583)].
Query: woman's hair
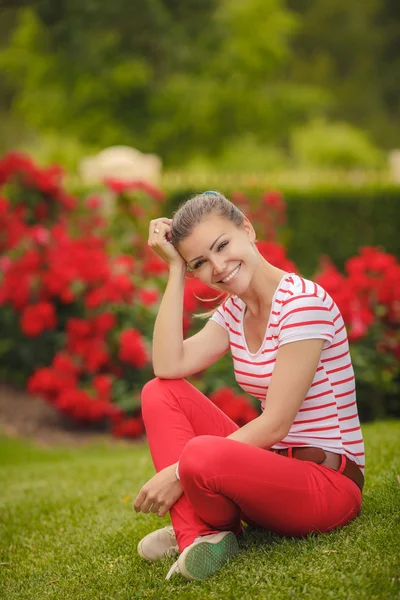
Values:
[(192, 212), (201, 206)]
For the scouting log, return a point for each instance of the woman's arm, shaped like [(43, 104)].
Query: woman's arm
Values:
[(294, 371), (174, 357), (168, 328)]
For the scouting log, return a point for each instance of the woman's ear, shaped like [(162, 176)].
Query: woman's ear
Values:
[(249, 229)]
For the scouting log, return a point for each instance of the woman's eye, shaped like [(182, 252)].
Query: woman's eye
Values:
[(198, 264), (222, 245)]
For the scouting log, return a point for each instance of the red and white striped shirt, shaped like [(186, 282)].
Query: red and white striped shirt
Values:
[(302, 310)]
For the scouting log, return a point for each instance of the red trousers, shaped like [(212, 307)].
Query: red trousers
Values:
[(226, 482)]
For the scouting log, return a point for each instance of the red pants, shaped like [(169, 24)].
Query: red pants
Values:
[(226, 481)]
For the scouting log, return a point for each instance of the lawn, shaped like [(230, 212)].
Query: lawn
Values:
[(68, 531)]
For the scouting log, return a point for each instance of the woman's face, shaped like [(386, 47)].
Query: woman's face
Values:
[(221, 255)]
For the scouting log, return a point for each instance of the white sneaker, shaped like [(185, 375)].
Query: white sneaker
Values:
[(158, 544), (206, 555)]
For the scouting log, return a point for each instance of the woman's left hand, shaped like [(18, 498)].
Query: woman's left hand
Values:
[(159, 493)]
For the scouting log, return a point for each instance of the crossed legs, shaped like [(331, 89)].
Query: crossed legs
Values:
[(226, 481)]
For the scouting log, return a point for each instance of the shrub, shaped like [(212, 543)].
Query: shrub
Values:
[(67, 303), (341, 145)]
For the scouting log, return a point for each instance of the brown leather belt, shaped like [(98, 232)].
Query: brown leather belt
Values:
[(326, 459)]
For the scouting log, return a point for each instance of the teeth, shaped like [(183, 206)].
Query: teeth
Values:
[(235, 272)]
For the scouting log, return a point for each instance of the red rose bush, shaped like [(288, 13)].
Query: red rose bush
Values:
[(63, 290)]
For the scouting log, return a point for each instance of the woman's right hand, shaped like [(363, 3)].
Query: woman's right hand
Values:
[(159, 241)]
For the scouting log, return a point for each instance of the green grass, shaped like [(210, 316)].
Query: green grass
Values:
[(68, 532)]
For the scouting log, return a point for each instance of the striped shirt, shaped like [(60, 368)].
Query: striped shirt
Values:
[(302, 310)]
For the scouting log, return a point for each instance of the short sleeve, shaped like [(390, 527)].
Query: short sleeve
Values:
[(305, 317), (218, 317)]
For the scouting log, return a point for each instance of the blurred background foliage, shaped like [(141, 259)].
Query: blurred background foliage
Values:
[(295, 96), (207, 84)]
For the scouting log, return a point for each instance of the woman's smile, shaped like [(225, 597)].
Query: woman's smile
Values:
[(231, 276)]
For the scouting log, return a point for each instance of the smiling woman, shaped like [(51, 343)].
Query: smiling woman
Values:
[(295, 469)]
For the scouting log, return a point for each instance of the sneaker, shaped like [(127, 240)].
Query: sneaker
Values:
[(158, 544), (206, 555)]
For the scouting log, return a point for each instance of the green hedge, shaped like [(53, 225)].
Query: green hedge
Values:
[(332, 221)]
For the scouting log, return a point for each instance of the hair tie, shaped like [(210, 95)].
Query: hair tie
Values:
[(210, 192)]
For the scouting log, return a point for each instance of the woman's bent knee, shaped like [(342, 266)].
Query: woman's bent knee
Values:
[(197, 455), (154, 392)]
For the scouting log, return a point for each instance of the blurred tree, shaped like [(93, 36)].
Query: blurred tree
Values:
[(237, 89), (10, 126), (352, 49), (172, 76)]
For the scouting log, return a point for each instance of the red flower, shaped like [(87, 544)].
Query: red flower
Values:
[(79, 405), (153, 265), (93, 202), (5, 263), (96, 356), (148, 296), (103, 323), (237, 407), (124, 263), (49, 382), (275, 254), (153, 191), (15, 289), (120, 288), (40, 235), (274, 200), (371, 260), (4, 206), (329, 277), (132, 349), (64, 363), (68, 202), (374, 279), (103, 385), (45, 180), (84, 341), (96, 298), (119, 187), (78, 328), (360, 320), (38, 317), (129, 428)]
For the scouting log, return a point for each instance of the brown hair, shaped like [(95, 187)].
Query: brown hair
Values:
[(192, 212)]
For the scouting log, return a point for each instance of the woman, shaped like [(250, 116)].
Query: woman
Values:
[(295, 469)]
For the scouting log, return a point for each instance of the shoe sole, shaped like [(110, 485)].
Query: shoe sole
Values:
[(204, 558), (140, 552)]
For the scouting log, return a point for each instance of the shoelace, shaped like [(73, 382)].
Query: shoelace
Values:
[(173, 569), (172, 551), (169, 529)]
